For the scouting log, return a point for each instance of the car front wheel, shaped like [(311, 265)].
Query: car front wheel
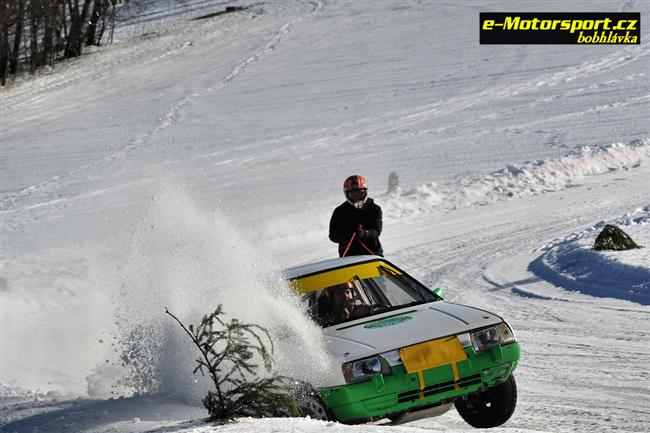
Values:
[(310, 404), (489, 408)]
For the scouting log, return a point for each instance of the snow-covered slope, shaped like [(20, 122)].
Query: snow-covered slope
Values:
[(190, 161)]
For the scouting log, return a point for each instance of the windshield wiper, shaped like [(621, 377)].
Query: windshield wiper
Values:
[(365, 291)]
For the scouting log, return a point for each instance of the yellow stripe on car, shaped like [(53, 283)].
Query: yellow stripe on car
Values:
[(340, 276)]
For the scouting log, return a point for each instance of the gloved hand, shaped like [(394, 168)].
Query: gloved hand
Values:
[(363, 234)]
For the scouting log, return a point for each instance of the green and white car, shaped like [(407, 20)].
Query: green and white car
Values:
[(406, 353)]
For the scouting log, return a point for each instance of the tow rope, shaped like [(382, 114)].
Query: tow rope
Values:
[(354, 236)]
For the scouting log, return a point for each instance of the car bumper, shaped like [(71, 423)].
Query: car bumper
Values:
[(399, 391)]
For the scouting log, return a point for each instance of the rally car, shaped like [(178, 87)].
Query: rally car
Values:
[(405, 353)]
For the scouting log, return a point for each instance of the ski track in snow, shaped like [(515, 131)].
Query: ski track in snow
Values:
[(473, 231), (169, 119), (374, 126)]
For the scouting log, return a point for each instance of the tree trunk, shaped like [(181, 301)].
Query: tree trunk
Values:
[(49, 49), (4, 40), (18, 35), (112, 24), (102, 28), (35, 11), (77, 19), (72, 37), (99, 10)]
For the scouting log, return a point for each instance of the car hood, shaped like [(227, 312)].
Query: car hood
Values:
[(396, 329)]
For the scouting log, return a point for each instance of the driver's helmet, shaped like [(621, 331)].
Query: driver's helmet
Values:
[(356, 191)]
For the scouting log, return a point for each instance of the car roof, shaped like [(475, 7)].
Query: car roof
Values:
[(326, 265)]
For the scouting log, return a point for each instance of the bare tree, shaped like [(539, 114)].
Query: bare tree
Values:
[(48, 52), (5, 23), (35, 19), (78, 14), (99, 8), (18, 34), (34, 33)]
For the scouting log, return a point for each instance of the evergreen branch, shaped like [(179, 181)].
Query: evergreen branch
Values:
[(238, 390)]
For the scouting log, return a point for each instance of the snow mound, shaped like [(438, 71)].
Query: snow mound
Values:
[(575, 265), (520, 180)]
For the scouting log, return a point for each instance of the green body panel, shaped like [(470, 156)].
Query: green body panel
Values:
[(397, 392)]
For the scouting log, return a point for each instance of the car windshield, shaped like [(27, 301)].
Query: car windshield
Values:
[(359, 298)]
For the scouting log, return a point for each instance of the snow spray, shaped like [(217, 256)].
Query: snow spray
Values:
[(190, 260)]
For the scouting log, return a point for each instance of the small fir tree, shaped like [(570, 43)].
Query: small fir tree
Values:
[(613, 238), (228, 351)]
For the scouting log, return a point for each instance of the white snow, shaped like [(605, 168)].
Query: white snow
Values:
[(575, 265), (190, 161)]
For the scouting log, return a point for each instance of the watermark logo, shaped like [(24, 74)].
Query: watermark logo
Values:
[(560, 28)]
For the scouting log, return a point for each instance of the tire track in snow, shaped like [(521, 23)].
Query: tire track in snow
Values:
[(169, 119), (572, 73), (376, 125), (569, 343)]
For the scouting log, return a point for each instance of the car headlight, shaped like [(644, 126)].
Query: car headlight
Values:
[(507, 336), (486, 338), (364, 369)]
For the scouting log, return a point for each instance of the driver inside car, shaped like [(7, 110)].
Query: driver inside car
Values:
[(342, 305)]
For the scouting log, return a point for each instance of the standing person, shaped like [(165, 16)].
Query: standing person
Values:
[(356, 224)]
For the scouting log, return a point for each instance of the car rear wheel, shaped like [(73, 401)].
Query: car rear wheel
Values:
[(489, 408)]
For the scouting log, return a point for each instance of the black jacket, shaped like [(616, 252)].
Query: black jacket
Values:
[(345, 222)]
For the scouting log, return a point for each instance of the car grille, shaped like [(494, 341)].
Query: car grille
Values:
[(464, 382)]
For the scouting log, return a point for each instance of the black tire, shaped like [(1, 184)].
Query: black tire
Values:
[(310, 404), (489, 408)]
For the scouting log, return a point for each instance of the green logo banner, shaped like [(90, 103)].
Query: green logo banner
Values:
[(391, 321)]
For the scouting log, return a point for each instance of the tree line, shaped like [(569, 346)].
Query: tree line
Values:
[(37, 33)]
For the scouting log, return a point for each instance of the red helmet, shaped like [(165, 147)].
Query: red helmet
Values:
[(356, 191), (354, 182)]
